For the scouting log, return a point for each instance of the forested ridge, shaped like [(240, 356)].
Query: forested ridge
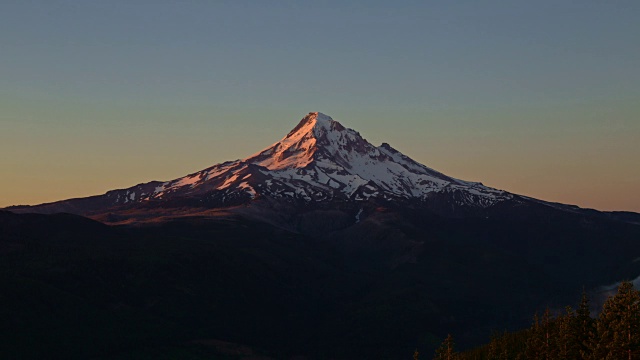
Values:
[(573, 334), (205, 287)]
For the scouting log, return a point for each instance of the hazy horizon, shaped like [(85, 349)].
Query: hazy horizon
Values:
[(540, 99)]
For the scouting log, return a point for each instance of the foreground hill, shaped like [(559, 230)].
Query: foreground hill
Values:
[(381, 288)]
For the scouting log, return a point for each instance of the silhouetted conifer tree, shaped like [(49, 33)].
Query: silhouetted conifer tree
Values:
[(493, 352), (500, 348), (535, 342), (585, 327), (615, 335), (567, 342), (542, 343), (446, 351), (618, 327), (550, 335)]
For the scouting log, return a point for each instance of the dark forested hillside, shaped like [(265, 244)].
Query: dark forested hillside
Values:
[(397, 280)]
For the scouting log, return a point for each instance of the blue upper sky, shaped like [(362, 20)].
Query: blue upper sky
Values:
[(528, 96)]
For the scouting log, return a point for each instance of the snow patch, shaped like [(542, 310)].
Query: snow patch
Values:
[(245, 186)]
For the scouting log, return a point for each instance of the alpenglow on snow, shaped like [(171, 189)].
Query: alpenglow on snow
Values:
[(321, 160)]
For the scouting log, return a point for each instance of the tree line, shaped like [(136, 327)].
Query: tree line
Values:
[(573, 334)]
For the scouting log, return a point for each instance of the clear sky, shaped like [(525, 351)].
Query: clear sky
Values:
[(540, 98)]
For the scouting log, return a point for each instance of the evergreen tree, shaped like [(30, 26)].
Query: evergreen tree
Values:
[(542, 344), (585, 327), (446, 351), (534, 347), (618, 327), (615, 335), (567, 342), (495, 348), (502, 348), (549, 348)]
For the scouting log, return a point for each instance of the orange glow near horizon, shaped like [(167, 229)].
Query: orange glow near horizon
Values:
[(592, 169)]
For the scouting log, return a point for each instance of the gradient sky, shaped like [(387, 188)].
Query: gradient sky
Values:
[(540, 98)]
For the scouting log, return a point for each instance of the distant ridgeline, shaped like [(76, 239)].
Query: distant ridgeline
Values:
[(574, 334)]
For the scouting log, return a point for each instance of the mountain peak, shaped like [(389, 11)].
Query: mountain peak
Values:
[(296, 150), (323, 120), (321, 117), (316, 122)]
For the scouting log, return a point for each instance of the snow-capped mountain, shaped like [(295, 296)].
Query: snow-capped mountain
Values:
[(318, 160)]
